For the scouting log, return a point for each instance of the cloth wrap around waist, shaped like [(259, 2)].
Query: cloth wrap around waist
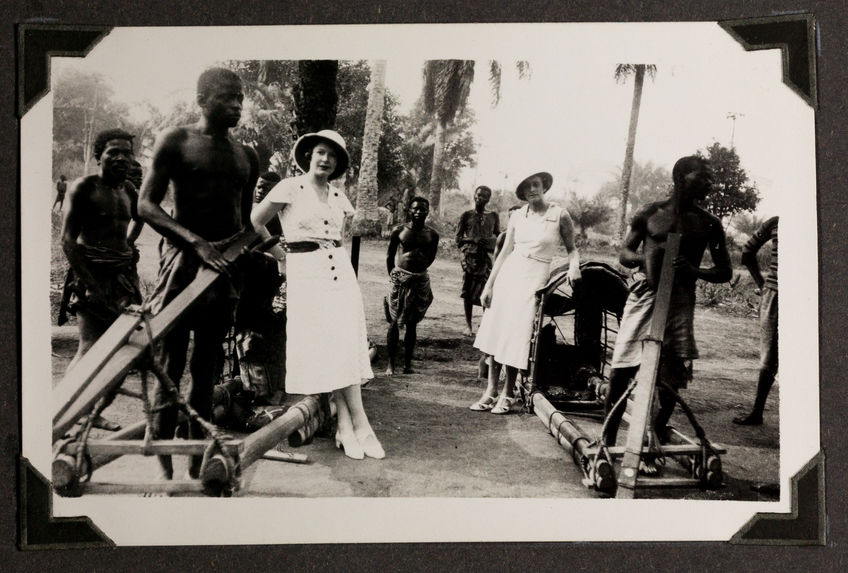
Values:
[(178, 267), (678, 348), (409, 298), (476, 266), (114, 272), (476, 258)]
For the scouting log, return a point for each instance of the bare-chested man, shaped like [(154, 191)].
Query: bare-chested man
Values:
[(649, 228), (412, 249), (213, 177), (102, 278)]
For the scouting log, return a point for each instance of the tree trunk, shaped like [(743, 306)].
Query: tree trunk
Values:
[(87, 140), (436, 174), (315, 96), (367, 220), (627, 168)]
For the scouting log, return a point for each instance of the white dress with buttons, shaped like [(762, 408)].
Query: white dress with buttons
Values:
[(326, 336)]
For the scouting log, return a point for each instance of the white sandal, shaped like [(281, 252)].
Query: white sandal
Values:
[(484, 404), (504, 405)]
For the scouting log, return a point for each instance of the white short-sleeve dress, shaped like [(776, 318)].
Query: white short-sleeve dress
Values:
[(507, 326), (326, 336)]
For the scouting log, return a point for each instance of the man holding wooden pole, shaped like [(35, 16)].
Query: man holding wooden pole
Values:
[(213, 179), (650, 228)]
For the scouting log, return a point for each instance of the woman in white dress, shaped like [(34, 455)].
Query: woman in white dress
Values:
[(533, 235), (326, 339)]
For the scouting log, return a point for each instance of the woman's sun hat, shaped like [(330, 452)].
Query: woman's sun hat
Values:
[(308, 141), (547, 181)]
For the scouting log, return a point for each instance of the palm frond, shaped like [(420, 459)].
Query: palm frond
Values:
[(651, 71), (452, 87), (495, 81), (429, 74), (624, 71)]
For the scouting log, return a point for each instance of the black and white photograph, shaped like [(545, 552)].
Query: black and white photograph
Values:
[(419, 283)]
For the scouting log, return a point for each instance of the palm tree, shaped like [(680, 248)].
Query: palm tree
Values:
[(446, 87), (447, 84), (622, 72), (367, 221)]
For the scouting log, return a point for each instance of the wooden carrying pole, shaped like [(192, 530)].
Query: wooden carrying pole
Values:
[(646, 377), (80, 389), (256, 444), (575, 442)]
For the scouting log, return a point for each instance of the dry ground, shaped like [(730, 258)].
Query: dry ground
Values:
[(437, 447)]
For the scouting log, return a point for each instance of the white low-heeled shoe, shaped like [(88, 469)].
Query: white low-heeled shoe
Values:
[(371, 445), (350, 445)]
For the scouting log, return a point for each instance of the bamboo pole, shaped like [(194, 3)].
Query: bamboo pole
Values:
[(575, 442), (667, 449), (306, 432), (64, 467), (262, 440), (158, 447), (149, 487)]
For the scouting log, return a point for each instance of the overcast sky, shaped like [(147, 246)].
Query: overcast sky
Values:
[(569, 118)]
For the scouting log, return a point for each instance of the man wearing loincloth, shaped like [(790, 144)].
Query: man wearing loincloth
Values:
[(213, 179), (102, 278), (767, 233), (412, 249), (649, 228), (476, 234)]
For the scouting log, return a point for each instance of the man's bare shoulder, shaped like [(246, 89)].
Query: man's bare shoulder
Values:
[(708, 218), (650, 208), (83, 185), (179, 132), (173, 138), (645, 212)]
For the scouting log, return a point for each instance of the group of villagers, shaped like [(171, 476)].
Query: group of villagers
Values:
[(213, 178)]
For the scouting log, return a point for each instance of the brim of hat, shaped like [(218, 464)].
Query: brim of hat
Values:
[(308, 141), (547, 181)]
